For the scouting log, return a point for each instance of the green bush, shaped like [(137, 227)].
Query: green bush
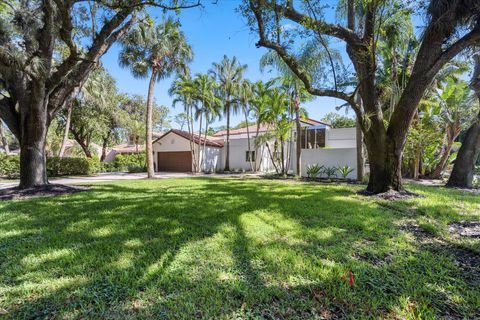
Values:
[(345, 171), (125, 161), (9, 166), (72, 166), (313, 170), (108, 167), (136, 169)]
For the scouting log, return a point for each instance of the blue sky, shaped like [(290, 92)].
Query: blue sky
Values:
[(212, 31)]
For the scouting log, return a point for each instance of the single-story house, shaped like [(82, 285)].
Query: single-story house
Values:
[(321, 145)]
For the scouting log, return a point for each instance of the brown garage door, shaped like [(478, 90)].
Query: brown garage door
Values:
[(178, 161)]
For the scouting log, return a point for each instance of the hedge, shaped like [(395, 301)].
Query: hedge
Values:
[(10, 166), (72, 166), (135, 162)]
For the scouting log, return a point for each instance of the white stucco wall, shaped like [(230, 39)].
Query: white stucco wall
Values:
[(238, 149), (330, 158), (172, 142)]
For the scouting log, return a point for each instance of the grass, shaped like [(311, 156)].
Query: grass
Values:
[(228, 248)]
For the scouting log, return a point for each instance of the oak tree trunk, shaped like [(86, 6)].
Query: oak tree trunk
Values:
[(34, 128), (463, 169), (148, 126), (360, 157)]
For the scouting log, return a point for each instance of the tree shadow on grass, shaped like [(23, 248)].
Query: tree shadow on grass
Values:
[(202, 248)]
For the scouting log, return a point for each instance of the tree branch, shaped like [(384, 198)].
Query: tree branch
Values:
[(334, 30), (292, 63), (76, 78), (10, 116)]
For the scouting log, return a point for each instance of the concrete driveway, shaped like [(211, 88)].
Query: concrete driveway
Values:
[(114, 176)]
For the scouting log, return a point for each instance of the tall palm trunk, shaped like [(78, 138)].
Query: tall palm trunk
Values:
[(257, 147), (204, 158), (199, 145), (66, 131), (3, 139), (148, 126), (190, 134), (227, 155), (298, 128), (248, 141)]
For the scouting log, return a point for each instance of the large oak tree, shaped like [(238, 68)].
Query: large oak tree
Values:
[(451, 27), (47, 50)]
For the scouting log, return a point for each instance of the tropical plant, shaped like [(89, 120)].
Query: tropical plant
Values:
[(245, 97), (313, 170), (155, 51), (344, 171), (229, 74), (205, 89), (183, 91), (330, 172)]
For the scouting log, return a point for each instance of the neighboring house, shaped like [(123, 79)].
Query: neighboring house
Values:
[(320, 144), (127, 148), (123, 149), (73, 149)]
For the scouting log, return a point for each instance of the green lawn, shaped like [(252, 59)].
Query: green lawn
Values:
[(234, 249)]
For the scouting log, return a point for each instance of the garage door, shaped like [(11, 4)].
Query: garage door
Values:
[(179, 161)]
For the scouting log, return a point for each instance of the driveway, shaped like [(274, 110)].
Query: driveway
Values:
[(114, 176)]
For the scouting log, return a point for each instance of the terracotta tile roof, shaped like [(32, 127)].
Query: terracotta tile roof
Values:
[(128, 148), (313, 122), (264, 128), (210, 141), (252, 129)]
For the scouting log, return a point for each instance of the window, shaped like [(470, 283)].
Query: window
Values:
[(313, 138), (250, 156)]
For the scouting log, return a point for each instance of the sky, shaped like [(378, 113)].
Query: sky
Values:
[(212, 31)]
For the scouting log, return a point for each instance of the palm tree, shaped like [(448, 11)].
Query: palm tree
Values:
[(245, 96), (295, 86), (184, 91), (205, 87), (158, 51), (258, 107), (229, 73)]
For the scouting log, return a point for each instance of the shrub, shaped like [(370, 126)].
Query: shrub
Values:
[(9, 166), (108, 167), (330, 172), (136, 169), (313, 170), (344, 171), (477, 169), (124, 161), (72, 166)]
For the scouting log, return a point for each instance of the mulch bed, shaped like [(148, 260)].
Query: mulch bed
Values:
[(48, 190), (470, 229)]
